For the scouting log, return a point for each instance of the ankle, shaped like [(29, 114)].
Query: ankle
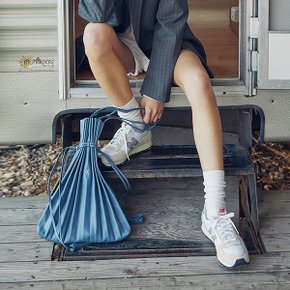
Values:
[(214, 188), (131, 112)]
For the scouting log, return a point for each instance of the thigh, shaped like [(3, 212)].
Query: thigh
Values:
[(102, 36), (124, 54)]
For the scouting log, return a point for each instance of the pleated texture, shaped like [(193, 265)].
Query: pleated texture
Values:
[(83, 209)]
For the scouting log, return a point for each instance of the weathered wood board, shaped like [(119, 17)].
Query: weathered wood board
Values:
[(25, 258)]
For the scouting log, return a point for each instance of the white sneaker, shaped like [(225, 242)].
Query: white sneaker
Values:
[(230, 247), (125, 143)]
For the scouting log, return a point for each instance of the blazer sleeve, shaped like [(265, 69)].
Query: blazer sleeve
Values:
[(167, 42), (112, 12)]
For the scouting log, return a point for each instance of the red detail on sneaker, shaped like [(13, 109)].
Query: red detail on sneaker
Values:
[(222, 211)]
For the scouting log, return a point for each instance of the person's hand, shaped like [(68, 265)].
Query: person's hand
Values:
[(152, 109)]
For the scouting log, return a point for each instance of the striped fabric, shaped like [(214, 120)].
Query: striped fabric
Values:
[(160, 30)]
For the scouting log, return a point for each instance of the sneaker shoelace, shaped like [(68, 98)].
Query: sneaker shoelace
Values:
[(227, 227)]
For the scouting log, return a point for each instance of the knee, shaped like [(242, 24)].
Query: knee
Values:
[(97, 39), (197, 79), (197, 87)]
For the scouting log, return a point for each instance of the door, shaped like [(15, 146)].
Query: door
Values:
[(222, 26), (274, 44), (215, 23)]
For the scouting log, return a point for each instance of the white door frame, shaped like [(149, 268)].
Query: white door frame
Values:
[(266, 37), (244, 85)]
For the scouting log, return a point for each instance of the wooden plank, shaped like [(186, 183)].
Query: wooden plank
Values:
[(275, 225), (19, 234), (169, 208), (172, 208), (210, 24), (20, 216), (23, 202), (229, 281), (274, 195), (275, 209), (193, 185), (25, 252), (141, 268), (276, 242)]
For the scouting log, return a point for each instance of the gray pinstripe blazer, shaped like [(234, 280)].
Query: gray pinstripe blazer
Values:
[(160, 30)]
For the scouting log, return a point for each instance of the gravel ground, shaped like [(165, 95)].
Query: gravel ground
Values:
[(24, 169), (273, 165)]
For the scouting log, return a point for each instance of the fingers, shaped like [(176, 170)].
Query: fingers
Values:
[(147, 117), (152, 115), (159, 115), (152, 111), (142, 111)]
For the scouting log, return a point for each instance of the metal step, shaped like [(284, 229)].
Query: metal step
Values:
[(182, 161), (172, 226), (166, 185)]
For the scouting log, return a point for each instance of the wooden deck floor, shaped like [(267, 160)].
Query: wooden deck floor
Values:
[(25, 263)]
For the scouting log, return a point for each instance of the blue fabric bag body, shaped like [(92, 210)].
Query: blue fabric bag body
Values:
[(83, 209)]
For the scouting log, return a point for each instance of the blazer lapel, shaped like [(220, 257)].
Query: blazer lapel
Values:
[(135, 7)]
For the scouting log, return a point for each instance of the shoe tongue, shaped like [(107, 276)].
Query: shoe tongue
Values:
[(222, 212)]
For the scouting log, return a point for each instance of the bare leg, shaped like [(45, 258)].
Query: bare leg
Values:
[(191, 76), (216, 224), (110, 60)]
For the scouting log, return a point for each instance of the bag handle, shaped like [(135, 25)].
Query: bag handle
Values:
[(112, 116), (104, 110), (120, 174)]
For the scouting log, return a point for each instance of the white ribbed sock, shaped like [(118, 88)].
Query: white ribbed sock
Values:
[(134, 115), (214, 188)]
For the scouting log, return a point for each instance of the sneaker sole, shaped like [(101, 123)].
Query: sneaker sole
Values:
[(135, 151), (238, 263)]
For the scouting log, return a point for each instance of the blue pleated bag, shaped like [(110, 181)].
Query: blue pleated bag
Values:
[(83, 208)]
